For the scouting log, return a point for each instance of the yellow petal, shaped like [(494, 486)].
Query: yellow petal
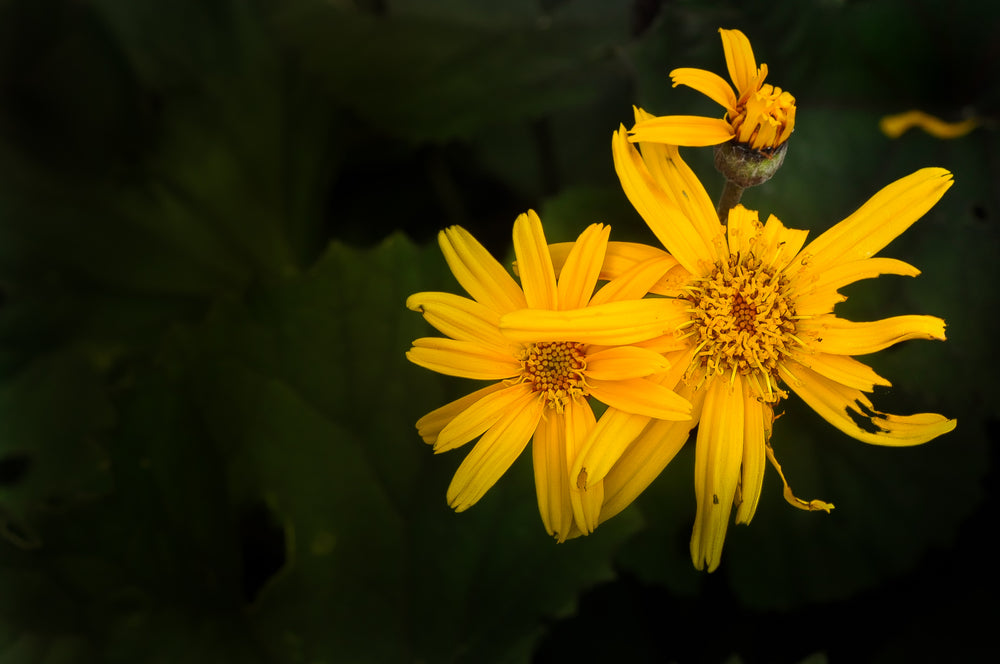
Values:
[(430, 425), (585, 498), (618, 257), (465, 359), (707, 83), (635, 282), (777, 245), (844, 407), (814, 505), (842, 369), (478, 272), (677, 233), (480, 416), (756, 433), (743, 227), (817, 292), (459, 317), (739, 59), (534, 264), (646, 457), (494, 453), (615, 431), (641, 397), (689, 130), (843, 337), (894, 126), (718, 456), (619, 362), (876, 223), (548, 454), (578, 277), (611, 324), (683, 187)]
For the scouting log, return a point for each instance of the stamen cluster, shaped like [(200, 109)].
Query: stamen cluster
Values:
[(555, 369), (743, 321)]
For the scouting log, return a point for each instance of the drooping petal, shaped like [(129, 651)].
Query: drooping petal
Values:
[(578, 277), (548, 454), (739, 59), (534, 264), (718, 456), (817, 292), (756, 434), (842, 369), (814, 505), (621, 362), (464, 359), (831, 334), (478, 272), (851, 411), (641, 396), (480, 416), (429, 426), (683, 187), (876, 223), (459, 317), (707, 83), (646, 457), (586, 498), (614, 323), (666, 220), (689, 130), (494, 453)]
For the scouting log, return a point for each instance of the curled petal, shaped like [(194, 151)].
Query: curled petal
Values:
[(707, 83)]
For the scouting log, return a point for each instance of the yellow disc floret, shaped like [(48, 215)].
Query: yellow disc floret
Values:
[(556, 370)]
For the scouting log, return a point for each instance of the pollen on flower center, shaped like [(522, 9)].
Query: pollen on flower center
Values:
[(556, 370), (764, 118), (742, 320)]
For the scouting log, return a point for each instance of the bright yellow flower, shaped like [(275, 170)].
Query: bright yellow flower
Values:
[(758, 115), (588, 345), (754, 311), (894, 126)]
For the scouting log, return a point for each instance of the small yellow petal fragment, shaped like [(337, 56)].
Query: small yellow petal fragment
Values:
[(811, 505), (895, 126)]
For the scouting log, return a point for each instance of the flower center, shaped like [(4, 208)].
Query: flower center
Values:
[(743, 321), (764, 118), (556, 370)]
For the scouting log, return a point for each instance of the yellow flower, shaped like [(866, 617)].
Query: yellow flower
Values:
[(754, 311), (893, 126), (758, 115), (589, 345)]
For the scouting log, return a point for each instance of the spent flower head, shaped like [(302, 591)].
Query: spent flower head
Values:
[(753, 309), (551, 345)]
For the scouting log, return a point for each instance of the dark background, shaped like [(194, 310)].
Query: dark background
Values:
[(211, 214)]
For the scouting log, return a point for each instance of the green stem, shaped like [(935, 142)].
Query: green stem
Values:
[(731, 195)]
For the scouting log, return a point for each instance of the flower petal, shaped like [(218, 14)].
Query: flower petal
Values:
[(739, 59), (429, 426), (707, 83), (817, 292), (718, 456), (478, 272), (465, 359), (843, 337), (615, 431), (494, 453), (586, 498), (620, 362), (459, 317), (756, 433), (677, 233), (876, 223), (534, 264), (638, 280), (689, 130), (894, 126), (578, 277), (842, 369), (777, 244), (641, 396), (611, 324), (845, 407), (548, 454), (743, 227), (480, 416), (813, 505)]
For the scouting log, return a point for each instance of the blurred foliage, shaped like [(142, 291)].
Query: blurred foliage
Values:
[(211, 214)]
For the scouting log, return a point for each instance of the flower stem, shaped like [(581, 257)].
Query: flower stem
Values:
[(731, 195)]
